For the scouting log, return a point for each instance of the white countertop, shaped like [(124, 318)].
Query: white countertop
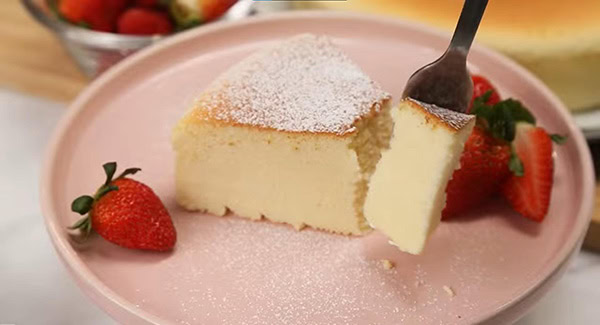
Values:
[(36, 289)]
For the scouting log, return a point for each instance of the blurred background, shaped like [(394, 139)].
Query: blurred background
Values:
[(51, 49)]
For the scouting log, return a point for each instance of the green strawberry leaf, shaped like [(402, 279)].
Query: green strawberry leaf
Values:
[(109, 169), (518, 112), (84, 24), (84, 225), (558, 138), (82, 204), (501, 118), (515, 165), (81, 223), (128, 171), (87, 229), (482, 110), (502, 123), (483, 99)]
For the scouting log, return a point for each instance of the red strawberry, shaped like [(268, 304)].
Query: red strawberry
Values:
[(529, 194), (143, 21), (98, 15), (480, 86), (483, 168), (127, 213), (213, 9), (148, 3)]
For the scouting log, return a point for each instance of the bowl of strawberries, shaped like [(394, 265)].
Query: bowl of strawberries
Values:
[(100, 33)]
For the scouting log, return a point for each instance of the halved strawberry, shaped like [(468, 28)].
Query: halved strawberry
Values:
[(484, 164), (483, 169), (529, 190)]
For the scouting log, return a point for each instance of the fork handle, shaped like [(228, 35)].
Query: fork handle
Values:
[(469, 20)]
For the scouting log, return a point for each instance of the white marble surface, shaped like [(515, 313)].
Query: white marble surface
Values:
[(36, 289)]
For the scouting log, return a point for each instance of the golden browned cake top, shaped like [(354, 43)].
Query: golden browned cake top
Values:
[(303, 84), (517, 26), (445, 117)]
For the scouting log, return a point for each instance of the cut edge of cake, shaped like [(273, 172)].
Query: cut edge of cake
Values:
[(407, 192)]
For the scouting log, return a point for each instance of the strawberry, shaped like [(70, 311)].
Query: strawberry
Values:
[(148, 3), (484, 164), (483, 168), (528, 191), (481, 86), (190, 13), (100, 15), (126, 212), (144, 21), (501, 155), (213, 9)]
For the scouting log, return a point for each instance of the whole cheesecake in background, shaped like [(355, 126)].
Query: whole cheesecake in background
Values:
[(294, 133), (557, 40)]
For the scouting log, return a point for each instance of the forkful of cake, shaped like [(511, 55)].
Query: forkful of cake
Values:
[(446, 82)]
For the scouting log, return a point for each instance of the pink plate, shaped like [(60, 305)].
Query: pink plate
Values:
[(490, 266)]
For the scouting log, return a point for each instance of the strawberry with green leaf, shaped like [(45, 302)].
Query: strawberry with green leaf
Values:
[(481, 86), (125, 212), (505, 153)]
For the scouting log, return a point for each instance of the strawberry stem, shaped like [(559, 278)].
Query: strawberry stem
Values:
[(84, 204), (103, 190), (515, 164), (558, 138)]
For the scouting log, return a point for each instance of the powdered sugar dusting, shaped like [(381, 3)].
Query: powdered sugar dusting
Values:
[(304, 84), (288, 277), (229, 270)]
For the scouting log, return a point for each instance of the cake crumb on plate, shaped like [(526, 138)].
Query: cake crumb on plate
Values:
[(387, 264), (449, 291)]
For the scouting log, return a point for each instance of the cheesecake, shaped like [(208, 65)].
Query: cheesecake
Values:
[(557, 40), (298, 134), (290, 134), (407, 191)]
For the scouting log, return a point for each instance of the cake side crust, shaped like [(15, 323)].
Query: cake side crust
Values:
[(440, 116)]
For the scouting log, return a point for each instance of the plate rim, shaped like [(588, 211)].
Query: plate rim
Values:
[(100, 293)]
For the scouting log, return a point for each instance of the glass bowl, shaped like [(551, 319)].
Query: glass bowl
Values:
[(94, 51)]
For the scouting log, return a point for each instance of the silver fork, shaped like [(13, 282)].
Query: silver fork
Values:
[(446, 82)]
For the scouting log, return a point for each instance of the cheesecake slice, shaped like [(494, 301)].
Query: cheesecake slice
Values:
[(407, 190), (291, 134)]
